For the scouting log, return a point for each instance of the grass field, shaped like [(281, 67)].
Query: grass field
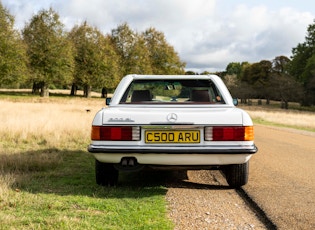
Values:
[(47, 176)]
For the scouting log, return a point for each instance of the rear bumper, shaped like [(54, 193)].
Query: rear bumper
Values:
[(189, 156), (248, 149), (175, 159)]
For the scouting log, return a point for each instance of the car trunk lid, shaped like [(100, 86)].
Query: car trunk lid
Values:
[(194, 116)]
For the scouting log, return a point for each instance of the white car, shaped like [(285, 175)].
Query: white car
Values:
[(172, 122)]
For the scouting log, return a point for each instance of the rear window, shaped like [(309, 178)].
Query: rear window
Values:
[(168, 91)]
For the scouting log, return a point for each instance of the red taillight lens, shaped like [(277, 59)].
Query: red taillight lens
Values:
[(229, 133), (115, 133)]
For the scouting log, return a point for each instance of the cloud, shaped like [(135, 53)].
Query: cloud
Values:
[(247, 34)]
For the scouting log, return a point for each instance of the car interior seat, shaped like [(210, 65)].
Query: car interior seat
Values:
[(200, 95), (141, 95)]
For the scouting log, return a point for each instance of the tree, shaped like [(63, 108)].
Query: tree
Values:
[(145, 53), (96, 63), (309, 81), (130, 47), (49, 51), (234, 68), (302, 66), (189, 72), (280, 64), (282, 85), (163, 58), (239, 89), (257, 76), (13, 61)]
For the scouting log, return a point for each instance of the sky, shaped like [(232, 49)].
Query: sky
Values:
[(206, 34)]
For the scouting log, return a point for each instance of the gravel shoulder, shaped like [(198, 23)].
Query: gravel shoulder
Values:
[(205, 201)]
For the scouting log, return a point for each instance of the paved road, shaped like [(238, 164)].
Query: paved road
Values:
[(282, 177), (280, 193)]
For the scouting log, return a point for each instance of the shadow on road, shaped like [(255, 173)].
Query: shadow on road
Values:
[(256, 209)]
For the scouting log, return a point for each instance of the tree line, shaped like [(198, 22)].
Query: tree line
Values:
[(283, 79), (44, 55), (272, 80)]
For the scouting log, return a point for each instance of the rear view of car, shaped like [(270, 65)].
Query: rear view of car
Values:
[(172, 122)]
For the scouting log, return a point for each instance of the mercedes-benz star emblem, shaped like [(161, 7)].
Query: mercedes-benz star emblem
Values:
[(172, 117)]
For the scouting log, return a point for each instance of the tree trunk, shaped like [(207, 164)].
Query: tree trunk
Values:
[(268, 101), (44, 92), (104, 92), (36, 88), (74, 89), (87, 91), (284, 105)]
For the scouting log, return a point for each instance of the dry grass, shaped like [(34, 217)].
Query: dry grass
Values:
[(54, 123), (293, 118), (34, 130)]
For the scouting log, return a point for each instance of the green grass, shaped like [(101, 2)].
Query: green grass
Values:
[(62, 194)]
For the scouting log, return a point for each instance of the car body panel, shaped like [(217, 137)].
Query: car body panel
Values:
[(156, 116), (140, 115)]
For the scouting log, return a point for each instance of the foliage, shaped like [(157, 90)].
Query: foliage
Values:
[(265, 79), (84, 57), (163, 58), (49, 52), (13, 59), (145, 53), (96, 63), (302, 66), (234, 68), (281, 79), (257, 73), (130, 46)]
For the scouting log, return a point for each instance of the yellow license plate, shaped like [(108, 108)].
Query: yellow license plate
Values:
[(174, 136)]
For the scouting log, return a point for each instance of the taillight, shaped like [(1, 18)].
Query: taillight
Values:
[(229, 133), (115, 133)]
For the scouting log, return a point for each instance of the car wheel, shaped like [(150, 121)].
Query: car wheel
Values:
[(105, 174), (237, 175)]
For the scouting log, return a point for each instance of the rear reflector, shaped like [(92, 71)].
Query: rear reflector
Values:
[(115, 133), (229, 133)]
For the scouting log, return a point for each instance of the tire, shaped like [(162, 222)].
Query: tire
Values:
[(105, 174), (237, 175)]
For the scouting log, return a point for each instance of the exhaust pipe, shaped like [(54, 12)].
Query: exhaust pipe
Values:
[(129, 164)]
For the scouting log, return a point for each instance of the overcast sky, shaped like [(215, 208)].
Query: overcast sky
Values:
[(207, 34)]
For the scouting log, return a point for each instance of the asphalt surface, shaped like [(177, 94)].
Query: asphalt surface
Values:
[(282, 176), (280, 193)]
